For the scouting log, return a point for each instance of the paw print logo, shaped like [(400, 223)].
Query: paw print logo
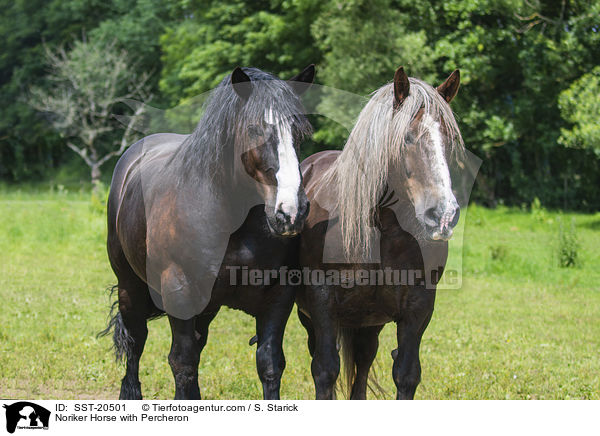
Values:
[(294, 277)]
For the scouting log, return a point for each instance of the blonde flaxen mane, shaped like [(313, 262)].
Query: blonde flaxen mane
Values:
[(377, 141)]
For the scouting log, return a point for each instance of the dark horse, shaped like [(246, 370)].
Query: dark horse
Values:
[(184, 210), (383, 204)]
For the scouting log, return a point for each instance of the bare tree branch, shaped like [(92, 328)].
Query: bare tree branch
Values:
[(90, 82), (81, 152), (125, 139), (536, 17)]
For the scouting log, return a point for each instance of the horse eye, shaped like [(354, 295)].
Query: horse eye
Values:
[(255, 130)]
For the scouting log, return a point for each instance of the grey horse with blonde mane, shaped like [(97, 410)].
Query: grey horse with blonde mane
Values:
[(384, 204)]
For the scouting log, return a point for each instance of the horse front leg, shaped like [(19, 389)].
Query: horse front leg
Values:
[(184, 358), (407, 365), (270, 327), (202, 324), (325, 365)]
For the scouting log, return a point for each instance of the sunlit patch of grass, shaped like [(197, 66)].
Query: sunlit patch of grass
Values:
[(520, 327)]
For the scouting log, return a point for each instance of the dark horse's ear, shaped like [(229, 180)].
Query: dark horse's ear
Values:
[(241, 83), (302, 81), (401, 87), (449, 88)]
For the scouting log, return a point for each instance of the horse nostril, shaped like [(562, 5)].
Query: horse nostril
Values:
[(303, 212), (431, 216), (280, 216), (454, 221)]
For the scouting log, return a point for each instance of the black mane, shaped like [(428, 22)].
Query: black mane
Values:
[(226, 114)]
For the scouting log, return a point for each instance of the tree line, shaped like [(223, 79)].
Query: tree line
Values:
[(528, 104)]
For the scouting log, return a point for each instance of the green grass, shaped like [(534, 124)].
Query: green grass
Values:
[(520, 327)]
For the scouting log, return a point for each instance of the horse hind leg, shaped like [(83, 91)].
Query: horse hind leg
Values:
[(307, 324), (131, 332), (129, 325)]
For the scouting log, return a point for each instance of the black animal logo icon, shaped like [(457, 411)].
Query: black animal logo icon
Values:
[(26, 414)]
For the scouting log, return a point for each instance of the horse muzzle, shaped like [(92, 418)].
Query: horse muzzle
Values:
[(283, 224), (440, 222)]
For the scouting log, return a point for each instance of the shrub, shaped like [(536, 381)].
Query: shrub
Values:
[(99, 198), (498, 252), (568, 245)]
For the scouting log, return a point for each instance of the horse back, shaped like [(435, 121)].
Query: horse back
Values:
[(314, 166)]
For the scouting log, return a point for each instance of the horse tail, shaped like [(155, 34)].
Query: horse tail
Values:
[(122, 340), (346, 343)]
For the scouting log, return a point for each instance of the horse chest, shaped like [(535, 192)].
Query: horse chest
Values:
[(254, 253), (248, 277)]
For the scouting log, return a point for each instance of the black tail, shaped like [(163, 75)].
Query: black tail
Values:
[(122, 341), (346, 341)]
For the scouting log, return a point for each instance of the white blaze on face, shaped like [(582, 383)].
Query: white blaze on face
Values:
[(441, 174), (288, 174), (439, 166)]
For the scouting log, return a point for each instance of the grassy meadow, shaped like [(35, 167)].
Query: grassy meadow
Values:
[(521, 327)]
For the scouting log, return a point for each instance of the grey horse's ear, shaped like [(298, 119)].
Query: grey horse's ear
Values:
[(302, 81), (401, 87), (241, 83), (449, 88)]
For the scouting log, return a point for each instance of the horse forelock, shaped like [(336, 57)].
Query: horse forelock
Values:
[(377, 140)]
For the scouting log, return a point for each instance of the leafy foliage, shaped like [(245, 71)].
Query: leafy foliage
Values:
[(211, 38), (580, 105), (527, 105)]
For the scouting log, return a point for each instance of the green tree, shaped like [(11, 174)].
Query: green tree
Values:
[(516, 57), (580, 105), (90, 82), (212, 37), (363, 42), (29, 147), (529, 72)]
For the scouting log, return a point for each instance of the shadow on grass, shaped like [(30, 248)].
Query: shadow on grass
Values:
[(592, 225)]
